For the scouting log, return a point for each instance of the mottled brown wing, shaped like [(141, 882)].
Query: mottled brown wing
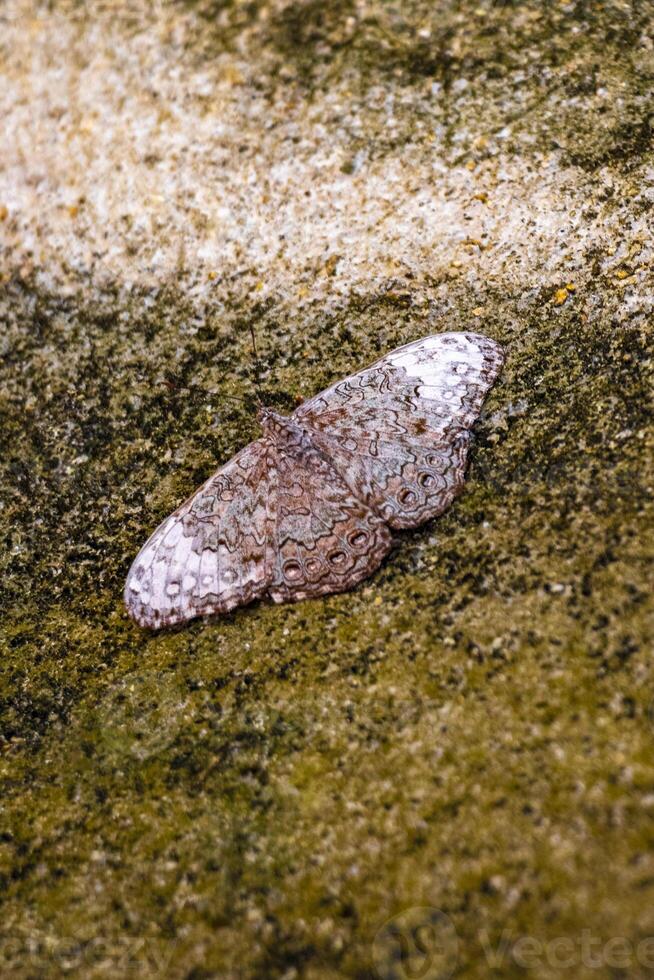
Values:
[(398, 432), (327, 539), (216, 551)]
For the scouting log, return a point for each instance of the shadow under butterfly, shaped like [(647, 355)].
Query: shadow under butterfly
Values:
[(308, 508)]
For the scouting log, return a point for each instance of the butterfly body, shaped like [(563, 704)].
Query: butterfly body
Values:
[(308, 508)]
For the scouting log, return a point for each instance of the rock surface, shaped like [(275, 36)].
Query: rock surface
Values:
[(471, 731)]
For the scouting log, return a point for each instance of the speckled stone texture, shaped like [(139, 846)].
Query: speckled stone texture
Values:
[(470, 731)]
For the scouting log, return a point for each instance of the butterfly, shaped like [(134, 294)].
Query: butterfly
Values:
[(308, 508)]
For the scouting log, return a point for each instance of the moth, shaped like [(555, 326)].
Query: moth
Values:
[(309, 507)]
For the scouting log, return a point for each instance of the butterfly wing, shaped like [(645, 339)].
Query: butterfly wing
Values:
[(216, 551), (327, 539), (398, 431), (308, 515)]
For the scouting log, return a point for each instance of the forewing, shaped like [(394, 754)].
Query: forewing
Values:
[(216, 551), (327, 540), (398, 432)]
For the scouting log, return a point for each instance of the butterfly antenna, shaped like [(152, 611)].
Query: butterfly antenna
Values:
[(257, 386), (240, 399)]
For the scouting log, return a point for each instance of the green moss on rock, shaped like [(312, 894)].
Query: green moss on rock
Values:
[(471, 729)]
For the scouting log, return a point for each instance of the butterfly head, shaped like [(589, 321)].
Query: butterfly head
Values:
[(270, 420), (266, 415), (278, 427)]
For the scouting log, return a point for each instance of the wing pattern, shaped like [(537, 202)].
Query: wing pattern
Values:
[(399, 431), (327, 539), (216, 551), (306, 509)]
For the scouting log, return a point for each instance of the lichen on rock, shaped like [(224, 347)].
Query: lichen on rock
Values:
[(470, 730)]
